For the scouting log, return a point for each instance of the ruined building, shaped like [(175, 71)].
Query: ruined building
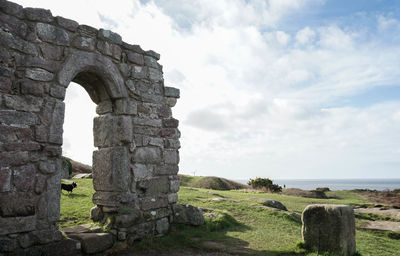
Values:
[(136, 162)]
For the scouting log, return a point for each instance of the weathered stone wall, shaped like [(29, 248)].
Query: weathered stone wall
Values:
[(135, 166)]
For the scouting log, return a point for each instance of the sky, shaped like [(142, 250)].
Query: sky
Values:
[(274, 88)]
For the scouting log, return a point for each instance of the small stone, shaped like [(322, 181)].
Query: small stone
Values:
[(172, 198), (171, 157), (104, 107), (162, 226), (170, 123), (171, 102), (38, 14), (150, 62), (136, 58), (47, 167), (166, 170), (13, 158), (155, 74), (32, 88), (5, 179), (171, 92), (71, 25), (147, 122), (127, 220), (7, 244), (174, 186), (85, 43), (23, 103), (172, 143), (5, 85), (86, 30), (17, 43), (40, 183), (153, 186), (94, 242), (150, 155), (39, 74), (83, 228), (112, 130), (141, 171), (24, 177), (126, 107), (109, 35), (187, 214), (96, 214), (121, 236), (153, 54), (52, 34), (51, 52), (274, 204), (12, 8), (58, 92)]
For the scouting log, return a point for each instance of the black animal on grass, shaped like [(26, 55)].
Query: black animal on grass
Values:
[(68, 187)]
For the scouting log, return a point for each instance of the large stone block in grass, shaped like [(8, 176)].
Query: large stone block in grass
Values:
[(329, 228)]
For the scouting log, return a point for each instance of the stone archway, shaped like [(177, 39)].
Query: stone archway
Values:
[(136, 163)]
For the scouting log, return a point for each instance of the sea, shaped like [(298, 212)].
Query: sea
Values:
[(338, 184)]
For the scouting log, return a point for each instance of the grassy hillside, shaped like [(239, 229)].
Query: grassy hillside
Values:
[(240, 228), (210, 182)]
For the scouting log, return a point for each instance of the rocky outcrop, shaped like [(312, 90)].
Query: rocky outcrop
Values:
[(274, 204), (329, 228)]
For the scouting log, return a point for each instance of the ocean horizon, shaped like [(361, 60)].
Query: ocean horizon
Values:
[(337, 184)]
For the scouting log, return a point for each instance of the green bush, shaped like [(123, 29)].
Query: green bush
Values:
[(67, 162), (264, 184)]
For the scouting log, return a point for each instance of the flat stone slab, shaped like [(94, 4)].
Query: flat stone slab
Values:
[(84, 228), (381, 225), (94, 242), (83, 176)]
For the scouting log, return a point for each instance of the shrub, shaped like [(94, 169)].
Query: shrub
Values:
[(67, 162), (265, 184)]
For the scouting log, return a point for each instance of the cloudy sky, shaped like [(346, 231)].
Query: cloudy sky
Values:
[(269, 88)]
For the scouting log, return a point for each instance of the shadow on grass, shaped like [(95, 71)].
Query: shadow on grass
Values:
[(188, 240), (73, 195)]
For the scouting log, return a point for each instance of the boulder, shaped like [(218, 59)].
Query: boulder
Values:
[(329, 228), (94, 242), (274, 204), (187, 214)]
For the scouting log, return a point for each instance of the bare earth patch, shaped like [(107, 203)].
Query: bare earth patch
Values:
[(381, 225), (393, 213), (385, 198)]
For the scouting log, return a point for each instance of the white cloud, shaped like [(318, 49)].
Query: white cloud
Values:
[(387, 22), (256, 99), (305, 35)]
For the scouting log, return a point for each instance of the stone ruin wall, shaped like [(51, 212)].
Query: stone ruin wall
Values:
[(135, 166)]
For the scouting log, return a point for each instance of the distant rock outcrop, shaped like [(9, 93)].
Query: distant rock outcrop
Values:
[(218, 183), (70, 168)]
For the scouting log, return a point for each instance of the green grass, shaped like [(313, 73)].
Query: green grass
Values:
[(240, 227), (75, 206)]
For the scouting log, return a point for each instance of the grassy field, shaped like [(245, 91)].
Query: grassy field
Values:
[(241, 227)]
